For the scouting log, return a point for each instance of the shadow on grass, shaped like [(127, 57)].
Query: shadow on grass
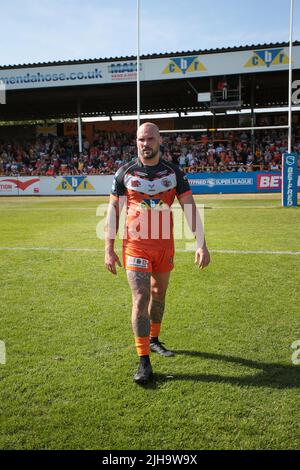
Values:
[(271, 375)]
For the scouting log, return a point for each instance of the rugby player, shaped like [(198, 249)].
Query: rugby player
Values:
[(148, 186)]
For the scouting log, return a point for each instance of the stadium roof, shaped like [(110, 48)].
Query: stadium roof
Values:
[(154, 55), (268, 88)]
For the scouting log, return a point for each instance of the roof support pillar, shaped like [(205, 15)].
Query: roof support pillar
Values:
[(253, 121), (79, 122)]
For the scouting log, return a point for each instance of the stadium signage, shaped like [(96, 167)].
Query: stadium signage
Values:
[(267, 57), (201, 183), (296, 93), (213, 183), (266, 181), (289, 179), (91, 73), (123, 71), (184, 65), (122, 67), (236, 183), (18, 185), (231, 181), (73, 183)]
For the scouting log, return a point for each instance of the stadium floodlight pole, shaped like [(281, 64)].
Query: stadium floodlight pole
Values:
[(138, 87), (290, 77)]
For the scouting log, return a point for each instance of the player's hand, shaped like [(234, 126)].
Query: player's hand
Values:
[(111, 258), (202, 257)]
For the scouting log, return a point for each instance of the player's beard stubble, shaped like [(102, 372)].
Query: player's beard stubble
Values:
[(149, 153)]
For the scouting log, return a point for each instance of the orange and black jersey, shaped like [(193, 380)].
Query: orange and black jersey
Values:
[(150, 192)]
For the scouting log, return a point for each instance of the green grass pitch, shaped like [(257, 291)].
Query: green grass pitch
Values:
[(67, 382)]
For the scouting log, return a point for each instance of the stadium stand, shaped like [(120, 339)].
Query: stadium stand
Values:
[(218, 152)]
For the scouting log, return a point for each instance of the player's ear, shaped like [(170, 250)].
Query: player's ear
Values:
[(160, 140)]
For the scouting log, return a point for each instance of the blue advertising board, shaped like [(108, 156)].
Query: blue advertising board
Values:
[(237, 182)]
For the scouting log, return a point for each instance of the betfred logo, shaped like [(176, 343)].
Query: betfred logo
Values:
[(268, 181)]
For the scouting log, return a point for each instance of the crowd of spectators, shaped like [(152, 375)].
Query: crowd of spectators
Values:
[(230, 151)]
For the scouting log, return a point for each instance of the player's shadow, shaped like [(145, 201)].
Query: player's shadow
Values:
[(270, 375)]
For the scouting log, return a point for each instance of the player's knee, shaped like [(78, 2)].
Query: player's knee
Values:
[(141, 299)]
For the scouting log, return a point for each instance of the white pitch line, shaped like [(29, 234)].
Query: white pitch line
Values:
[(94, 250)]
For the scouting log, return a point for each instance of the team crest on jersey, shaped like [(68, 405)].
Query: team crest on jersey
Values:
[(137, 262), (167, 183), (152, 204), (184, 65), (267, 57)]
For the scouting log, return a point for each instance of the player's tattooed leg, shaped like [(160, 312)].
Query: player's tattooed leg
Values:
[(156, 310), (140, 288)]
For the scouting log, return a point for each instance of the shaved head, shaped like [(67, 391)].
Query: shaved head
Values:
[(148, 125)]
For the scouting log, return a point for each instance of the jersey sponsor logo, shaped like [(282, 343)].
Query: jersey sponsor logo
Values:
[(267, 58), (75, 183), (137, 262), (153, 204), (184, 65)]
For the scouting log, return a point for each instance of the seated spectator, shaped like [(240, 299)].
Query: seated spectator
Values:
[(182, 161)]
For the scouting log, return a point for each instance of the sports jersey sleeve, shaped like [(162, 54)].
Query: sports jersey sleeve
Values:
[(183, 187), (118, 188)]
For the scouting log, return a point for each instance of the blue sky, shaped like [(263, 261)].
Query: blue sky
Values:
[(47, 30)]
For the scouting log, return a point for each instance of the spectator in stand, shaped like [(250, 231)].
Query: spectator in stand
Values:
[(182, 161)]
